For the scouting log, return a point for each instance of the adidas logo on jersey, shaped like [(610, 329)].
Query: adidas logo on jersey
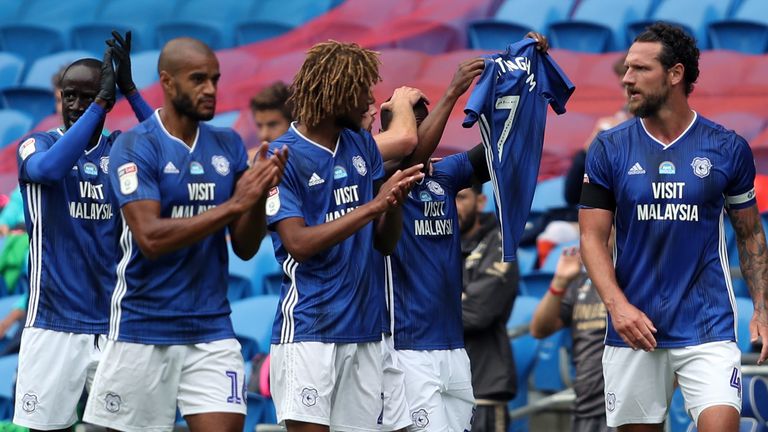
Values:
[(636, 169), (170, 168), (315, 180)]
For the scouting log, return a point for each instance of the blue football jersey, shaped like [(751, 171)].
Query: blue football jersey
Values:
[(180, 297), (671, 260), (71, 225), (425, 271), (509, 103), (330, 297)]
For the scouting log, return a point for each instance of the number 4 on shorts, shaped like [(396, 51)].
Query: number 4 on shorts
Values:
[(736, 380)]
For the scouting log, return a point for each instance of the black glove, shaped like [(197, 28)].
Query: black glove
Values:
[(121, 50), (107, 85)]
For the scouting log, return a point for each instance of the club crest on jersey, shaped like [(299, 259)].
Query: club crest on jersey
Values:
[(112, 402), (29, 402), (359, 164), (666, 167), (435, 188), (104, 164), (309, 396), (425, 196), (339, 172), (27, 148), (701, 166), (196, 168), (420, 418), (90, 169), (220, 164), (128, 174), (273, 202), (610, 401)]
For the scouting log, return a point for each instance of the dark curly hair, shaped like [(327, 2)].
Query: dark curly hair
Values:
[(676, 47)]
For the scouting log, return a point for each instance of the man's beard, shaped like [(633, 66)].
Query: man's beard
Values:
[(184, 105), (651, 104), (348, 122), (467, 225)]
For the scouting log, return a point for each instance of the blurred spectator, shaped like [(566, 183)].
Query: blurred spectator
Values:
[(12, 215), (490, 288), (55, 84), (17, 314), (272, 112), (573, 302)]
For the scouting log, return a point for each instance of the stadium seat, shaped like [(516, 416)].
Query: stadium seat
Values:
[(714, 65), (744, 309), (11, 67), (743, 36), (13, 125), (224, 119), (596, 78), (9, 12), (746, 424), (440, 69), (536, 284), (90, 37), (38, 103), (252, 320), (256, 31), (754, 401), (748, 125), (292, 13), (580, 36), (209, 34), (494, 35), (678, 419), (41, 71), (436, 38), (549, 194), (240, 273), (526, 260), (400, 67), (8, 365), (692, 15), (524, 349), (751, 10), (30, 41), (144, 68), (598, 25), (552, 362), (268, 275), (535, 14), (133, 14), (64, 14)]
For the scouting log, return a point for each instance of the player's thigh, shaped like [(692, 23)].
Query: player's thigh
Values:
[(215, 421), (424, 390), (135, 387), (638, 386), (302, 381), (458, 396), (709, 375), (53, 370), (357, 403), (395, 414), (213, 381)]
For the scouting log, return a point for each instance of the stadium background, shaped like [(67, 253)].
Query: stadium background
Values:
[(421, 43)]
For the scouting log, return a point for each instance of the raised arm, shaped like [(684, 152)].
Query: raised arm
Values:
[(121, 49), (401, 137), (546, 318), (753, 260), (303, 242)]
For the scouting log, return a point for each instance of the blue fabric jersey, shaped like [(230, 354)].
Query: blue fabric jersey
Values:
[(71, 224), (425, 270), (331, 297), (509, 103), (180, 297), (671, 259)]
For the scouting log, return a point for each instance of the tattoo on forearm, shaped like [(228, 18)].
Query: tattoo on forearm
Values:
[(753, 255)]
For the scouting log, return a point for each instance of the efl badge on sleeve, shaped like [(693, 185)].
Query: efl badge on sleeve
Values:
[(128, 175), (273, 202)]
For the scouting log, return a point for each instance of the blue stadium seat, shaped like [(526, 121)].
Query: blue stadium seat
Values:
[(488, 192), (524, 349), (751, 10), (252, 320), (746, 424), (744, 309), (598, 25), (535, 283), (90, 37), (207, 33), (692, 15), (292, 13), (144, 67), (550, 358), (494, 35), (11, 67), (678, 419), (30, 41), (8, 365), (268, 275), (743, 36), (225, 119), (9, 13), (754, 402), (64, 14), (549, 194), (526, 260), (536, 14), (38, 103), (255, 31), (240, 272), (133, 14), (13, 125), (40, 72)]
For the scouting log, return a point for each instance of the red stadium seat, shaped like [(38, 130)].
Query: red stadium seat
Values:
[(436, 37), (595, 76), (721, 72), (747, 125), (401, 66), (440, 69), (567, 133)]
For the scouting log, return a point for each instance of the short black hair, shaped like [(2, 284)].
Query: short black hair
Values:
[(420, 110), (677, 46), (88, 62), (274, 97), (477, 187)]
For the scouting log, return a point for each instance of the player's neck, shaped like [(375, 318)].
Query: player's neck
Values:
[(326, 134), (670, 122), (181, 127)]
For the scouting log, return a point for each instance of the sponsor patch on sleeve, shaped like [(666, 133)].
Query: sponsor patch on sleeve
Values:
[(129, 178), (273, 201), (27, 148)]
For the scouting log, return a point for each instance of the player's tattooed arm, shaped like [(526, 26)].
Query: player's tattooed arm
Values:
[(753, 260)]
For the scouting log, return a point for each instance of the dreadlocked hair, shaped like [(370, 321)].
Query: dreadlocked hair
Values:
[(330, 80)]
